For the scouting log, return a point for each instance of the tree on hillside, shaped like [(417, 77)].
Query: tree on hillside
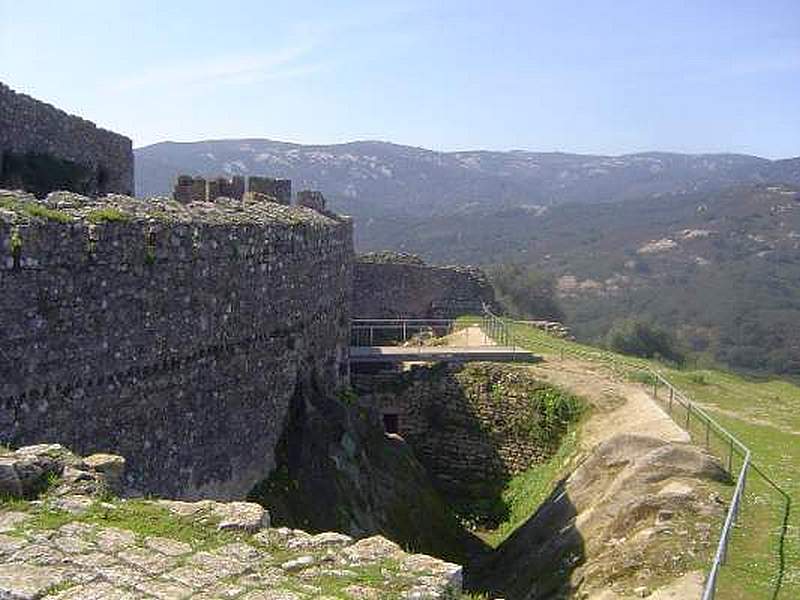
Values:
[(526, 293), (640, 338)]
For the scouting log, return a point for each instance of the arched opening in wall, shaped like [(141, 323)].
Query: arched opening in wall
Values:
[(391, 423)]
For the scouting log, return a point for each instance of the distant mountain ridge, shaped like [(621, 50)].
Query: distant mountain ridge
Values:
[(370, 179)]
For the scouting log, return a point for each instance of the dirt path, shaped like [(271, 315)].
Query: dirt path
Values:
[(469, 336), (618, 406)]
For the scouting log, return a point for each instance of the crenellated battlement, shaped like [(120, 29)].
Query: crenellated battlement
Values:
[(190, 188), (66, 228)]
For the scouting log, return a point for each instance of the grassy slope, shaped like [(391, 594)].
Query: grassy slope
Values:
[(765, 416), (525, 492)]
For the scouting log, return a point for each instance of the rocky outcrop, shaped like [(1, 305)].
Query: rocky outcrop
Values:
[(117, 549), (28, 471), (636, 506), (338, 470)]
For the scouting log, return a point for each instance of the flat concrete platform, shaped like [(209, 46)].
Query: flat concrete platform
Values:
[(452, 354)]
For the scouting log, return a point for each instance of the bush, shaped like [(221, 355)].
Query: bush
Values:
[(639, 338), (524, 292)]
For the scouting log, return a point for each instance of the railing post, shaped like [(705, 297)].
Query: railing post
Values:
[(688, 415), (404, 331), (730, 458), (708, 431)]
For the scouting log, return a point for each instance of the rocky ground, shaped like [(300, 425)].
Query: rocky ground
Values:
[(65, 536)]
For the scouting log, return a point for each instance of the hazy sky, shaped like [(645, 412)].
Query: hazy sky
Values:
[(610, 76)]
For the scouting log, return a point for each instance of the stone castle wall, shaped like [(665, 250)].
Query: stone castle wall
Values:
[(280, 189), (173, 334), (468, 425), (190, 188), (390, 285), (89, 159)]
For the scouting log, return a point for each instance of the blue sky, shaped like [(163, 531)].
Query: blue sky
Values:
[(610, 77)]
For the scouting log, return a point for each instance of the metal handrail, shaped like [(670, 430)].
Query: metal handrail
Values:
[(497, 328), (710, 586)]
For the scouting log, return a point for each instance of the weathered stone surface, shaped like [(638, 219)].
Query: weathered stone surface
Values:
[(27, 582), (174, 335), (388, 285), (10, 485), (245, 516), (97, 591), (296, 564), (241, 516), (372, 549), (10, 520), (30, 470), (90, 562), (28, 125), (112, 467), (167, 546)]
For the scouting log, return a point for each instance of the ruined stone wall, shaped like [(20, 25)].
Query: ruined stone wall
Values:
[(388, 285), (280, 189), (469, 425), (173, 334), (94, 161)]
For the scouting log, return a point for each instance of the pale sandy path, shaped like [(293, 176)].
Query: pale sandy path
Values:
[(469, 336), (619, 406)]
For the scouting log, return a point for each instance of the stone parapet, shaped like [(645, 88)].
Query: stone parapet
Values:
[(175, 334)]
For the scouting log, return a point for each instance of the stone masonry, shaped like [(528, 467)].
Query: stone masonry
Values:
[(97, 161), (173, 334), (388, 285), (311, 199), (468, 424), (193, 189), (280, 189), (75, 542)]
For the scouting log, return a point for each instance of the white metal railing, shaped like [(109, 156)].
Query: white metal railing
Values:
[(363, 331), (497, 328)]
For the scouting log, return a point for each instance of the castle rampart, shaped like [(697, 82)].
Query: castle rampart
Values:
[(174, 334), (388, 285), (280, 189), (43, 148), (194, 189)]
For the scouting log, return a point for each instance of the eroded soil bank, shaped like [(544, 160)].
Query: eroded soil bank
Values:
[(631, 509)]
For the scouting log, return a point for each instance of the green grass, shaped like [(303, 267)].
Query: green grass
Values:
[(527, 491), (32, 209), (764, 414), (107, 215), (141, 517)]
